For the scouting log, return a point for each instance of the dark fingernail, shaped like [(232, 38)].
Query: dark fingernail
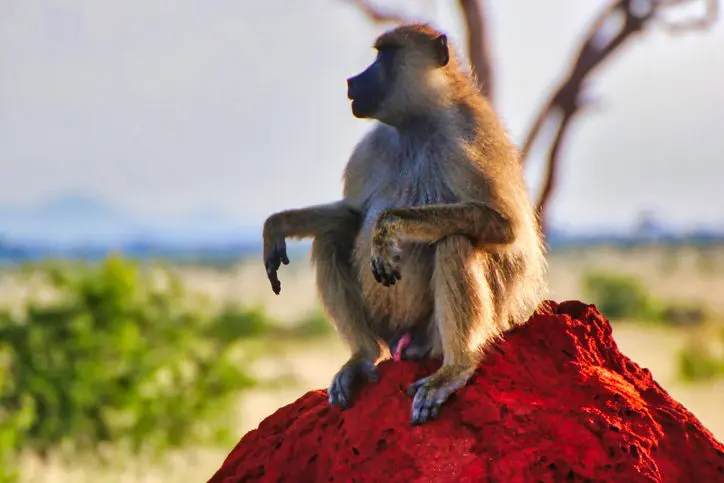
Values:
[(375, 273)]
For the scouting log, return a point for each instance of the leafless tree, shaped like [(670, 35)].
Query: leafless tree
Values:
[(597, 44)]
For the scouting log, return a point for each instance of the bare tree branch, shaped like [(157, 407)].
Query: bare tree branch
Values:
[(376, 14), (595, 50), (479, 44), (704, 22)]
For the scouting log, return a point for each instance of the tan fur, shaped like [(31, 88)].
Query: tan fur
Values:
[(449, 190)]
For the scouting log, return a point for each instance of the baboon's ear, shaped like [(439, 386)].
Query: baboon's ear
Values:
[(442, 52)]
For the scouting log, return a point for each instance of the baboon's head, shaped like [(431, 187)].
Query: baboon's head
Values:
[(406, 78)]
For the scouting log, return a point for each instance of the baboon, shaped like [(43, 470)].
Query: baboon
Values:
[(434, 237)]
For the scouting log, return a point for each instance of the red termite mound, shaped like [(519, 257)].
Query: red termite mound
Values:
[(555, 401)]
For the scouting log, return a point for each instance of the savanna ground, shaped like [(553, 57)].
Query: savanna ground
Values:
[(670, 275)]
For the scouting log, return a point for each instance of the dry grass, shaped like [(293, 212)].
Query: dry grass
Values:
[(682, 274)]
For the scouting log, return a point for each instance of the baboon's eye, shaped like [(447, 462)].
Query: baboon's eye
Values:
[(441, 52), (385, 53), (388, 48)]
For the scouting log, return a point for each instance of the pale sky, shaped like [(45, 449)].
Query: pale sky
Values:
[(165, 107)]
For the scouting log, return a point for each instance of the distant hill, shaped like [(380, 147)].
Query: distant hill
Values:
[(65, 219), (71, 220)]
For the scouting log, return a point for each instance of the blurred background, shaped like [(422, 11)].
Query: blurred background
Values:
[(143, 144)]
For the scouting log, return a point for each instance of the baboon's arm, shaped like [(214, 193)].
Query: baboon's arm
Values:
[(480, 222), (310, 221), (302, 223)]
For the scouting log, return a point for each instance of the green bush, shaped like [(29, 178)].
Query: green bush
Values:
[(684, 314), (117, 358), (620, 296), (702, 358), (698, 365)]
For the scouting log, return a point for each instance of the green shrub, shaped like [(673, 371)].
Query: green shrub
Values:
[(699, 365), (702, 358), (619, 296), (684, 314), (116, 358)]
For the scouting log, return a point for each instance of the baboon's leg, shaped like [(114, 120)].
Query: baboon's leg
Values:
[(465, 320), (341, 294)]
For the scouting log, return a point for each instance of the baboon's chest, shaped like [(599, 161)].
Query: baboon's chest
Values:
[(412, 186), (414, 182)]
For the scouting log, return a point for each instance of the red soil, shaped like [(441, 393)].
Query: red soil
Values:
[(556, 401)]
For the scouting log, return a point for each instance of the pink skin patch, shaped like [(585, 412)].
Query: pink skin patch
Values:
[(404, 342)]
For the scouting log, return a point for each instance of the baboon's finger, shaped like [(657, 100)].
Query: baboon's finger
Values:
[(376, 271), (282, 251), (271, 272)]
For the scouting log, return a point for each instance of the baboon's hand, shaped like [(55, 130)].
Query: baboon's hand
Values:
[(340, 391), (431, 392), (385, 259), (275, 253)]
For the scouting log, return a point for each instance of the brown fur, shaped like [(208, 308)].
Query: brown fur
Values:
[(446, 186)]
